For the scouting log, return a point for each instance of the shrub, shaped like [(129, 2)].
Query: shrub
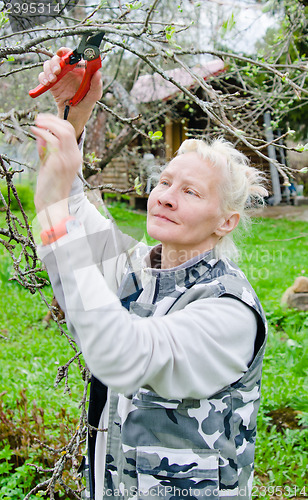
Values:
[(25, 437)]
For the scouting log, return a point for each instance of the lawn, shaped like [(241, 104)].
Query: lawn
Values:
[(272, 256)]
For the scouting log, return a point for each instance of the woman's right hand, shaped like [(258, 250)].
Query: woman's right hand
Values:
[(60, 160), (67, 87)]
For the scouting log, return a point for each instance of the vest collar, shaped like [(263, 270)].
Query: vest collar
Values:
[(183, 275)]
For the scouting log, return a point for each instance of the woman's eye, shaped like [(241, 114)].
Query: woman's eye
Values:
[(164, 183), (189, 191)]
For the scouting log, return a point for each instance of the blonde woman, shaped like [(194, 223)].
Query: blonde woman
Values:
[(174, 335)]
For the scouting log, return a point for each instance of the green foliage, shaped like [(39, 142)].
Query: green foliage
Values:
[(137, 185), (228, 25), (25, 193), (155, 136), (27, 427), (135, 5), (33, 413), (28, 438), (92, 159), (116, 197), (3, 19), (15, 482), (170, 32), (301, 148), (272, 256), (130, 222)]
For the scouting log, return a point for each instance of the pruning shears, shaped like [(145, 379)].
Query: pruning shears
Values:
[(88, 49)]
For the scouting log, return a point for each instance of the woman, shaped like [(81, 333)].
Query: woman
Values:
[(175, 332)]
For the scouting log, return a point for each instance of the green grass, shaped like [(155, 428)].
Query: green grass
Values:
[(30, 405), (272, 256)]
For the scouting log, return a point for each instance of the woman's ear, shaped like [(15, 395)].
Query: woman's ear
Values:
[(229, 223)]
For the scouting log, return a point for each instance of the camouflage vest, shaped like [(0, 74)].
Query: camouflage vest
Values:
[(187, 448)]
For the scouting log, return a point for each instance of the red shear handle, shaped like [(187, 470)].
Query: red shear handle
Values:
[(65, 68), (91, 68)]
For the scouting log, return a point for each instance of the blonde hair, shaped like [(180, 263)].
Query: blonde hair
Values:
[(242, 186)]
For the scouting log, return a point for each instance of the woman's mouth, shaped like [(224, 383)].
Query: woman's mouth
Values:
[(163, 217)]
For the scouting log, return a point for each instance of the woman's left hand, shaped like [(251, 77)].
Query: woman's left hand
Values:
[(60, 160)]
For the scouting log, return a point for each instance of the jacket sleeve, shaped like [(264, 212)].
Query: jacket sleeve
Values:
[(108, 245), (194, 352)]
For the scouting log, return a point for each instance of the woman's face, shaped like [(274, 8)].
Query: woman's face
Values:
[(184, 209)]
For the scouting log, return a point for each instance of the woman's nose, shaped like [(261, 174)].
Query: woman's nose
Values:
[(168, 199)]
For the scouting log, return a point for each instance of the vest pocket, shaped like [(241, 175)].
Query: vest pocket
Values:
[(177, 473)]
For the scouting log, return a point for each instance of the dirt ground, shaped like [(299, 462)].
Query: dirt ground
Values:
[(284, 211)]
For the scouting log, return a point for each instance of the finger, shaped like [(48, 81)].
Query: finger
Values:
[(60, 129), (46, 66), (48, 71), (45, 143), (53, 123), (44, 136), (62, 51), (40, 144), (97, 84), (43, 80), (96, 88), (55, 67)]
